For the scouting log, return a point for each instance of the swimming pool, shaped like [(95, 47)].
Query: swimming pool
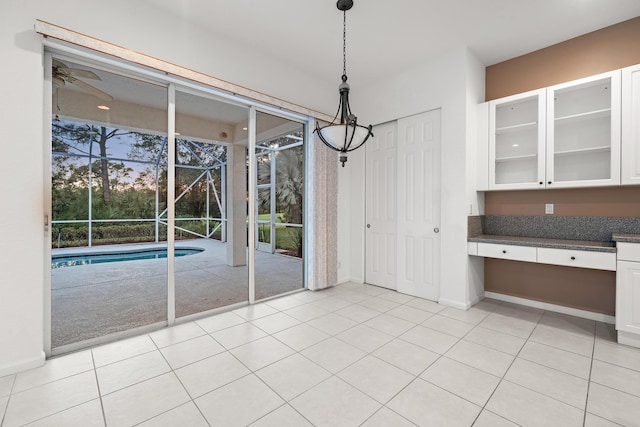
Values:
[(87, 258)]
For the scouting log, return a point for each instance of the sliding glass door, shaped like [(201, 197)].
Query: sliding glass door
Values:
[(151, 198)]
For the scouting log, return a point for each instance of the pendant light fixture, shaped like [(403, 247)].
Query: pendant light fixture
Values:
[(346, 135)]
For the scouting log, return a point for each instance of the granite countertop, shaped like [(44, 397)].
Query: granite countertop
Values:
[(582, 245), (625, 237)]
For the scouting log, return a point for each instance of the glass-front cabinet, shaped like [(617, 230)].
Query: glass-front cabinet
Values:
[(583, 132), (562, 136), (517, 141)]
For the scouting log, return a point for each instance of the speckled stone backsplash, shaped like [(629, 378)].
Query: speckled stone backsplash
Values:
[(559, 227)]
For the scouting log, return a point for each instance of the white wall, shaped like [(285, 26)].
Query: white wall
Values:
[(454, 83), (128, 24)]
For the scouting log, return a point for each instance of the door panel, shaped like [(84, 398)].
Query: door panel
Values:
[(418, 216), (381, 207)]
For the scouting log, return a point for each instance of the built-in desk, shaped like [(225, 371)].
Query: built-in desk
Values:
[(571, 253)]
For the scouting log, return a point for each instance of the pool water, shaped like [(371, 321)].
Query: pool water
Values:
[(61, 261)]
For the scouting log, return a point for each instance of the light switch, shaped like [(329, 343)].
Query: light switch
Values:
[(548, 208)]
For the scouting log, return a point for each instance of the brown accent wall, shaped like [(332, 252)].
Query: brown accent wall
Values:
[(604, 50), (584, 289), (603, 201)]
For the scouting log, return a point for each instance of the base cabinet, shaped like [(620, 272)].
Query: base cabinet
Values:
[(628, 296)]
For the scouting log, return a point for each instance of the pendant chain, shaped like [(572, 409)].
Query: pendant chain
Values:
[(344, 45)]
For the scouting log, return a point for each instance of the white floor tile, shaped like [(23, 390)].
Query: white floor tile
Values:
[(406, 356), (447, 325), (331, 303), (621, 355), (606, 332), (373, 290), (469, 383), (55, 369), (238, 335), (376, 378), (176, 334), (144, 400), (262, 352), (509, 325), (240, 403), (616, 377), (353, 296), (121, 350), (571, 324), (48, 399), (275, 322), (550, 382), (357, 313), (410, 314), (306, 312), (211, 373), (335, 403), (285, 303), (390, 325), (426, 305), (301, 336), (85, 415), (385, 417), (563, 340), (489, 419), (365, 338), (379, 304), (253, 312), (292, 376), (186, 352), (472, 315), (518, 311), (528, 408), (3, 406), (429, 339), (427, 405), (184, 415), (284, 416), (333, 355), (131, 371), (491, 361), (397, 297), (220, 321), (6, 384), (552, 357), (496, 340), (332, 324), (591, 420), (613, 405)]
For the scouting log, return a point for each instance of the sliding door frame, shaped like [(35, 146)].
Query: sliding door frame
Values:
[(173, 84)]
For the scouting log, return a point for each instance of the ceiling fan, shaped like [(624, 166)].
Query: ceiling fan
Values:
[(61, 75)]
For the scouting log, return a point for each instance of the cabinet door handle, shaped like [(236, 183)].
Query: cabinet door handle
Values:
[(541, 182), (504, 251), (573, 258), (548, 182)]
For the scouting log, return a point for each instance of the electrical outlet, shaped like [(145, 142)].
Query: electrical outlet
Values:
[(548, 209)]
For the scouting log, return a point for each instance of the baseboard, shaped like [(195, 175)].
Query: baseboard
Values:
[(552, 307), (627, 338), (23, 365)]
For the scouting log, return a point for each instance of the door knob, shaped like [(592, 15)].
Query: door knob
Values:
[(436, 230), (368, 225)]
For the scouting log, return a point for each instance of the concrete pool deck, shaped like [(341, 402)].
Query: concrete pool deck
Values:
[(89, 301)]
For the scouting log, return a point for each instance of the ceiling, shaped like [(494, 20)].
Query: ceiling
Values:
[(385, 36)]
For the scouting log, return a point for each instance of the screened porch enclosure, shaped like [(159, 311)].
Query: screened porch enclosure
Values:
[(128, 196)]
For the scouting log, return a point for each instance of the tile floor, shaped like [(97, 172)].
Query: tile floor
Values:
[(347, 356)]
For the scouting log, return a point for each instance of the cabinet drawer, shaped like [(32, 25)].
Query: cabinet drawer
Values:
[(574, 258), (628, 251), (516, 253), (472, 248)]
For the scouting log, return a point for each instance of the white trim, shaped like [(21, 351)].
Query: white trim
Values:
[(454, 304), (48, 29), (552, 307), (47, 194), (626, 338), (171, 204), (23, 365), (252, 205)]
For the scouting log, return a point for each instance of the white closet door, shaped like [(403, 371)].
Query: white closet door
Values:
[(381, 206), (418, 205)]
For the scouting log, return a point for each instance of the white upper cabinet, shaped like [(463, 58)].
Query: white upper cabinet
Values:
[(562, 136), (630, 125), (583, 132), (517, 141)]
